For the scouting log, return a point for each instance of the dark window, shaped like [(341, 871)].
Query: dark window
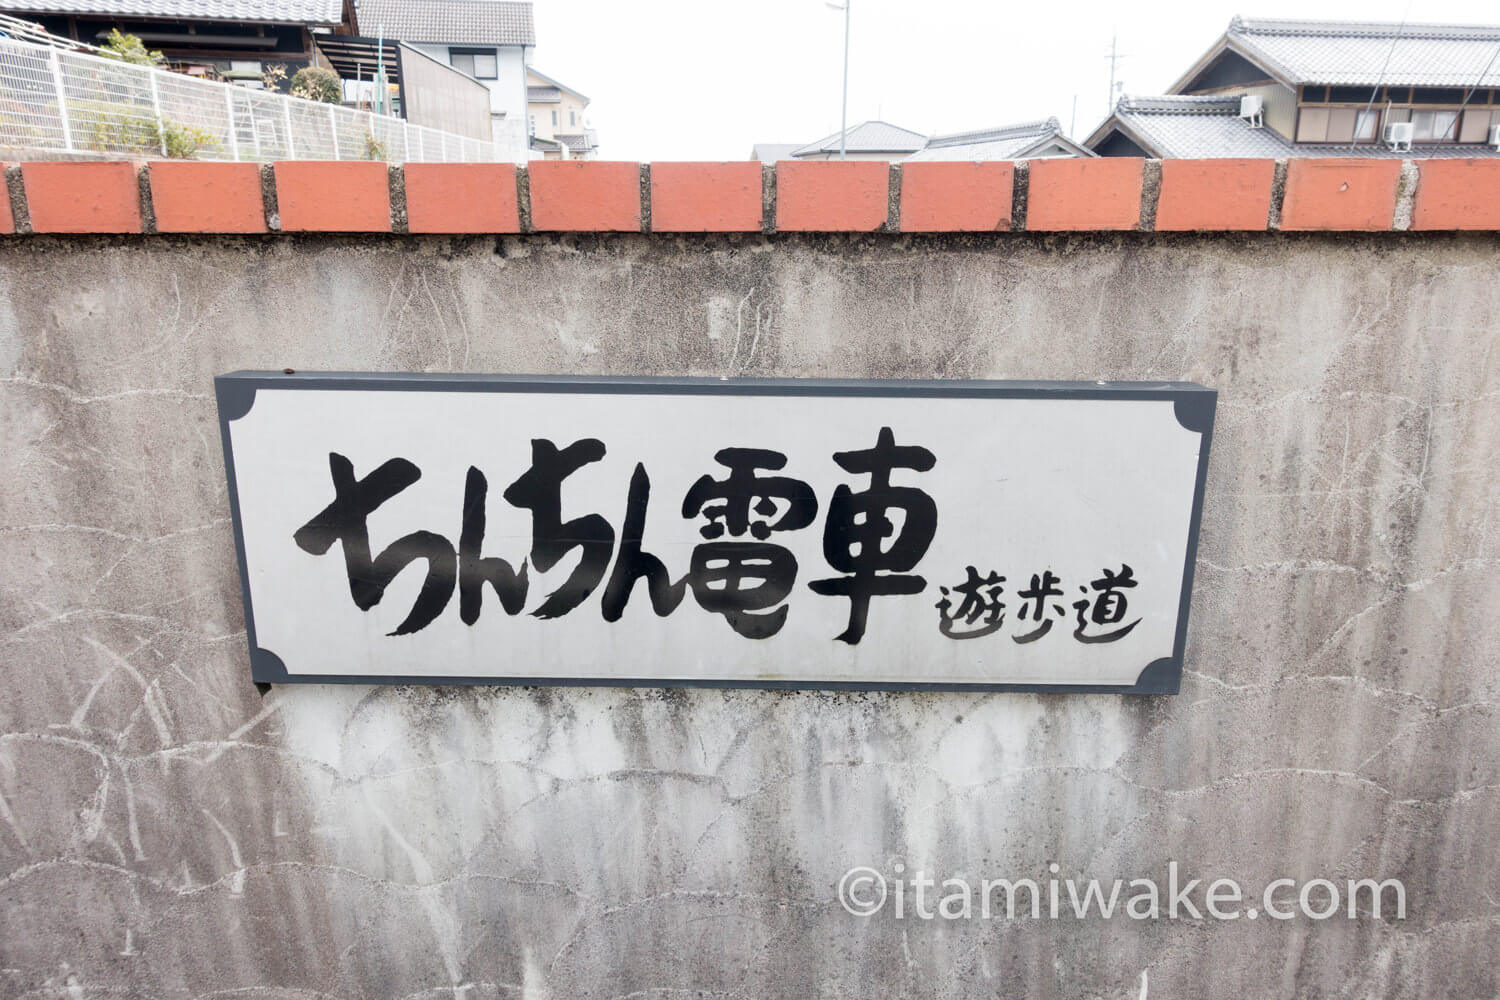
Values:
[(1438, 95), (1351, 95), (1398, 95), (481, 64), (1315, 95)]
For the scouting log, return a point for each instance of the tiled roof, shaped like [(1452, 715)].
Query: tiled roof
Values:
[(1369, 54), (1202, 127), (264, 11), (548, 81), (770, 152), (456, 22), (868, 137), (1008, 143), (578, 142)]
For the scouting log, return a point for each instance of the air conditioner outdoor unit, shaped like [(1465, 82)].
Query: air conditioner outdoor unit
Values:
[(1252, 106), (1495, 136), (1398, 135)]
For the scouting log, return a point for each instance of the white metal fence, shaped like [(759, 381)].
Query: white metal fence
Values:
[(51, 99)]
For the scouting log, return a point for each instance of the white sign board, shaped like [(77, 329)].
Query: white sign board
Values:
[(482, 529)]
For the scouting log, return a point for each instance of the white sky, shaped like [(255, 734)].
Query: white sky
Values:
[(706, 79)]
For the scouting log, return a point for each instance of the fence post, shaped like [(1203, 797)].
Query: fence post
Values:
[(161, 126), (62, 102), (234, 133), (286, 107), (254, 128), (333, 125)]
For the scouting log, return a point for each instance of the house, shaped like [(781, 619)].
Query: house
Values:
[(871, 140), (487, 40), (555, 119), (229, 39), (876, 140), (1280, 88), (1026, 141)]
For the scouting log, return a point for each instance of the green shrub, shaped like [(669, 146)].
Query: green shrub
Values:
[(182, 142), (124, 128), (314, 83), (374, 148), (128, 48)]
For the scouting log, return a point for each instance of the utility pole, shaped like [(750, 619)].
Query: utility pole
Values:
[(844, 105)]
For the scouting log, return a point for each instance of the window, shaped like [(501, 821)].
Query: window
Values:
[(572, 118), (1434, 126), (554, 119), (1350, 95), (481, 64)]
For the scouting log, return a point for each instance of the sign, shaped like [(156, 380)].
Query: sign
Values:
[(759, 533)]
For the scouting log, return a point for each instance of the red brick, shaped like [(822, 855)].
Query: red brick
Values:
[(1214, 194), (832, 195), (83, 197), (328, 196), (585, 196), (956, 197), (1340, 194), (1458, 194), (706, 197), (207, 197), (461, 198), (1093, 193)]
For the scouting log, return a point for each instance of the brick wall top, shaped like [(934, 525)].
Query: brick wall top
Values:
[(1064, 195)]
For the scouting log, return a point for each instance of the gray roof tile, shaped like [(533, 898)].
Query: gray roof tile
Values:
[(770, 152), (1007, 143), (1183, 127), (578, 142), (456, 22), (1369, 54), (264, 11), (868, 137)]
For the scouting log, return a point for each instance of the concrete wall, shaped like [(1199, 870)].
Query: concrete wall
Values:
[(167, 832)]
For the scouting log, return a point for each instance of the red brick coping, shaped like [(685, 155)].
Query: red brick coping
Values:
[(1054, 195)]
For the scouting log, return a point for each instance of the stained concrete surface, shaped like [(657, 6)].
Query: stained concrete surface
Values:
[(167, 832)]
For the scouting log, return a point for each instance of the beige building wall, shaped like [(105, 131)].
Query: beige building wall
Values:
[(1280, 111), (439, 96), (549, 120)]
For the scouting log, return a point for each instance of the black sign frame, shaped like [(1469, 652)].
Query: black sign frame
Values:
[(1194, 406)]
